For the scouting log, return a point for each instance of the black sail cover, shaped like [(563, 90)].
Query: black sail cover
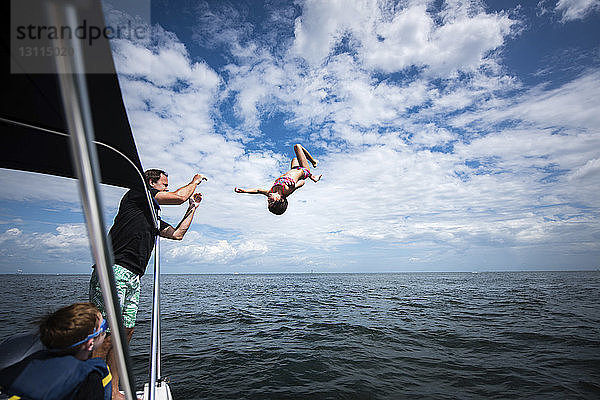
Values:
[(31, 105)]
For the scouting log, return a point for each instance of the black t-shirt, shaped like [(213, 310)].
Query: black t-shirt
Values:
[(133, 231)]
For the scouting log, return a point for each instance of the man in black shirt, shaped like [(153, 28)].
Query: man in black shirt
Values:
[(133, 235)]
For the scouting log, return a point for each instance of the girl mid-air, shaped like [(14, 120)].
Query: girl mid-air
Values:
[(287, 183)]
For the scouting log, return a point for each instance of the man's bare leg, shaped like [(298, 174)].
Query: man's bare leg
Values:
[(106, 351)]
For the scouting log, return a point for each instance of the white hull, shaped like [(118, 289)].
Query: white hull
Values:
[(162, 392)]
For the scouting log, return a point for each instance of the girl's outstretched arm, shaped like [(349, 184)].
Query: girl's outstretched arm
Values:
[(252, 191), (316, 178)]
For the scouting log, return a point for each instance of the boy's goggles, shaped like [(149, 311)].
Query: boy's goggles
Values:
[(103, 327)]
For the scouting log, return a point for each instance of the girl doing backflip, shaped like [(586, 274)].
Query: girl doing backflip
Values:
[(287, 183)]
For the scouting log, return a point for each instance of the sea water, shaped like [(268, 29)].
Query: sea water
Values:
[(533, 335)]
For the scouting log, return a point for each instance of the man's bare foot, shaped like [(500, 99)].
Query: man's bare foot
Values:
[(121, 396), (118, 396)]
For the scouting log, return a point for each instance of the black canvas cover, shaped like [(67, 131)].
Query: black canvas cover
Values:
[(34, 99)]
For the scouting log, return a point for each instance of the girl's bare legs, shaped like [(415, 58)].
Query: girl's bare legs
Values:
[(294, 163), (304, 157)]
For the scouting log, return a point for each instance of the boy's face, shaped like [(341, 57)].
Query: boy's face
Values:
[(85, 350), (100, 338)]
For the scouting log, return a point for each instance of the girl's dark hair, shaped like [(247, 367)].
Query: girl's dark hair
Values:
[(279, 206), (68, 325), (152, 175)]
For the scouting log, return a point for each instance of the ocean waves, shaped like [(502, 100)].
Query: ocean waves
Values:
[(374, 336), (441, 336)]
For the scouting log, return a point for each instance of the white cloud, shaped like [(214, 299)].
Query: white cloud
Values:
[(391, 39), (219, 252), (68, 239), (322, 24), (590, 169), (572, 106), (10, 234), (171, 110), (339, 87), (572, 10), (430, 135), (253, 87), (33, 186)]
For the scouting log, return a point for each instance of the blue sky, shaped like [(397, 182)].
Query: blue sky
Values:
[(452, 135)]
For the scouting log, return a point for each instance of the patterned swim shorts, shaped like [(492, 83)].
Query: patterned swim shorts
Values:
[(128, 290)]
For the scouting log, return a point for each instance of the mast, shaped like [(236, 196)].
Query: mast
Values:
[(155, 373)]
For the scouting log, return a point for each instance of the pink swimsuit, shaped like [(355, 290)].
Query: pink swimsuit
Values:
[(305, 170), (283, 181), (287, 181)]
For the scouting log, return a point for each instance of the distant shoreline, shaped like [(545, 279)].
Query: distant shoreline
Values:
[(321, 273)]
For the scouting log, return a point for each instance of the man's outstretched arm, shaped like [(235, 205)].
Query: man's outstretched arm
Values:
[(178, 232), (180, 195)]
